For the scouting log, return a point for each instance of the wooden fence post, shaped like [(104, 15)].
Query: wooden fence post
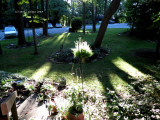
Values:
[(9, 104)]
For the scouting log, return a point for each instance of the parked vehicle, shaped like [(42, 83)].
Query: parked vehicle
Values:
[(50, 25), (10, 31), (58, 25), (111, 22)]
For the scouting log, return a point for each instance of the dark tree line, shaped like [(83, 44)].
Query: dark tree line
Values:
[(142, 15)]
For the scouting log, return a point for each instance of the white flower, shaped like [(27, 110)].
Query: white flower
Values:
[(82, 47)]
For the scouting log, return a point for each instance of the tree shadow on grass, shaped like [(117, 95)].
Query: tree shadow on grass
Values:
[(111, 72), (51, 45)]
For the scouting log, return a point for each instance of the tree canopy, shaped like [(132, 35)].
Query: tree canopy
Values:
[(141, 15), (57, 9)]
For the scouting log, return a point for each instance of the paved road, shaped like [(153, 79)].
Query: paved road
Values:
[(38, 31), (116, 25), (50, 31), (28, 32)]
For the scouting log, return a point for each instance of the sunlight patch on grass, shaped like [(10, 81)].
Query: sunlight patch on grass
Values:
[(119, 85), (92, 81), (47, 40), (40, 73), (127, 68), (65, 38), (61, 38), (68, 34)]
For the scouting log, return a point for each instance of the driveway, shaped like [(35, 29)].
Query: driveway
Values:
[(39, 31), (28, 32), (116, 25)]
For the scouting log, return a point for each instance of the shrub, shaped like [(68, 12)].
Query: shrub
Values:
[(76, 23)]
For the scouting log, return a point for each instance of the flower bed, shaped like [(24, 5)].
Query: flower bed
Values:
[(66, 56)]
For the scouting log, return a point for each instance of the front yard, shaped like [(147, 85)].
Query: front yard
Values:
[(129, 85)]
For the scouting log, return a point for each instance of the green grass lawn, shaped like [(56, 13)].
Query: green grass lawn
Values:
[(114, 71)]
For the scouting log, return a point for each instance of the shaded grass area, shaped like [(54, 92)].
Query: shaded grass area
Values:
[(113, 72)]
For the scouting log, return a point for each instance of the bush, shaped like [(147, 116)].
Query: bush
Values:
[(76, 23), (71, 30)]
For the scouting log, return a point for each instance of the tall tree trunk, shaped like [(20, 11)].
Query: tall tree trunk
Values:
[(1, 16), (43, 15), (47, 17), (1, 50), (134, 18), (84, 17), (108, 14), (93, 17), (105, 5), (72, 4), (96, 13), (21, 37), (68, 21), (157, 48), (45, 32), (1, 8), (33, 29)]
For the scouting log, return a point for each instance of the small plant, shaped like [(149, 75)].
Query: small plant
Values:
[(47, 87), (47, 91), (82, 49), (63, 113), (40, 97), (52, 108), (76, 100), (30, 87), (9, 80), (3, 82)]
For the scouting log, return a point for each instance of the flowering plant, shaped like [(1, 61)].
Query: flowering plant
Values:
[(82, 49)]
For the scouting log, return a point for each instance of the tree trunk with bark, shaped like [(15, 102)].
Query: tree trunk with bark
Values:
[(69, 21), (43, 16), (93, 17), (21, 37), (158, 48), (1, 50), (46, 26), (108, 14), (105, 5), (96, 12), (45, 31), (1, 16), (84, 17), (1, 9), (33, 29)]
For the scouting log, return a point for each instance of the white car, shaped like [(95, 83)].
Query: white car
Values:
[(58, 25), (111, 22), (10, 32), (50, 25)]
